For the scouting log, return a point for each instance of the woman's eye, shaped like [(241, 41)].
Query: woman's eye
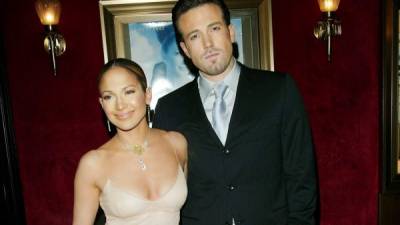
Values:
[(106, 97), (130, 92)]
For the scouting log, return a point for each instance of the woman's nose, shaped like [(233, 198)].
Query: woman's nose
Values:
[(120, 103)]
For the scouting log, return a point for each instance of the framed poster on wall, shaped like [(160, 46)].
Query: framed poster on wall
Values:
[(142, 30)]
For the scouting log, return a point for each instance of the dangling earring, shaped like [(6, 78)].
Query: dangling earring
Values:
[(108, 126), (148, 113)]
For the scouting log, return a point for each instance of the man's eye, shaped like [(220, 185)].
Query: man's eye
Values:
[(193, 37), (216, 28)]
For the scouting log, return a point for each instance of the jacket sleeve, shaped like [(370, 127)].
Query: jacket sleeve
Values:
[(298, 158), (160, 115)]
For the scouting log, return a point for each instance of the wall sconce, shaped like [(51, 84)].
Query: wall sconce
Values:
[(329, 26), (49, 15)]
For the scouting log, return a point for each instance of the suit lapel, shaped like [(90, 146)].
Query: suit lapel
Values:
[(242, 109), (197, 111), (197, 114)]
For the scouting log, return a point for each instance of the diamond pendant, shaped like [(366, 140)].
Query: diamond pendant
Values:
[(142, 165)]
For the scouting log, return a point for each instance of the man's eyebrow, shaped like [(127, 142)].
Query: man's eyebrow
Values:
[(215, 23), (208, 26), (191, 32)]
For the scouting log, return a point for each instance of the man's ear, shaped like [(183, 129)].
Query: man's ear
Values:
[(185, 50), (232, 32)]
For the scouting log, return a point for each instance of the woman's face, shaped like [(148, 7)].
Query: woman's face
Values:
[(175, 60), (123, 98)]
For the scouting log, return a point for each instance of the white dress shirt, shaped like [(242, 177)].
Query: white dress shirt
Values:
[(207, 95)]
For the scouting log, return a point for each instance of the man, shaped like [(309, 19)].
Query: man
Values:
[(251, 157)]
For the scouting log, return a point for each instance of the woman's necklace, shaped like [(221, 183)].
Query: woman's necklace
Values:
[(137, 150)]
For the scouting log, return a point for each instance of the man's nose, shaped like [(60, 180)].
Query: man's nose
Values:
[(207, 40)]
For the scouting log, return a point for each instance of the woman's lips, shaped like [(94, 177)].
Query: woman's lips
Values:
[(123, 115)]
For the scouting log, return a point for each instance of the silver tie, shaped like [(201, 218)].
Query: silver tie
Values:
[(219, 111)]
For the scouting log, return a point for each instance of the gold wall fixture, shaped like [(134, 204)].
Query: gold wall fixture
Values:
[(49, 14), (330, 25)]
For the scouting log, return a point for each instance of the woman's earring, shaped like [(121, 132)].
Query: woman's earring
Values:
[(148, 113), (108, 126)]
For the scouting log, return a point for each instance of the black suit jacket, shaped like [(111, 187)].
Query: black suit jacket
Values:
[(265, 173)]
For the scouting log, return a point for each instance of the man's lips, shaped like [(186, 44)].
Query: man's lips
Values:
[(211, 55)]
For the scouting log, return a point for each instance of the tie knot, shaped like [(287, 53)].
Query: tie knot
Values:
[(220, 90)]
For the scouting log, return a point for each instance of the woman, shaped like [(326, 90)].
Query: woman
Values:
[(137, 176)]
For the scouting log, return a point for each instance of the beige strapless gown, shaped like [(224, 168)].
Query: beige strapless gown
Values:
[(125, 208)]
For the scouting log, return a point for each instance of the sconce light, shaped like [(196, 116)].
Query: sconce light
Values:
[(49, 15), (329, 26)]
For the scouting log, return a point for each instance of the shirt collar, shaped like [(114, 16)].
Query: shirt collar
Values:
[(231, 80)]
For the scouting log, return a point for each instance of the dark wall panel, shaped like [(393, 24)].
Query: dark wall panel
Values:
[(57, 119), (342, 98)]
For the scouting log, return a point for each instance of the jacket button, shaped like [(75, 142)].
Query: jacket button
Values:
[(231, 187), (227, 151)]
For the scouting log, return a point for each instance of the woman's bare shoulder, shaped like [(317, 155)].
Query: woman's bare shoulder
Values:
[(92, 158), (175, 138), (96, 157), (178, 143)]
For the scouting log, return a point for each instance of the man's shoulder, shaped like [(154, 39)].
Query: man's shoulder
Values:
[(260, 74), (179, 94), (173, 108), (265, 79)]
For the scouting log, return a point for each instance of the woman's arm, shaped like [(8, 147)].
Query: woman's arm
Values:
[(178, 141), (86, 192)]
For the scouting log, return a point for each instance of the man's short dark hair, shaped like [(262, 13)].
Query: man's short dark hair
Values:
[(182, 6)]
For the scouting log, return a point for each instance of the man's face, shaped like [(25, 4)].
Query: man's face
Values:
[(207, 40)]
